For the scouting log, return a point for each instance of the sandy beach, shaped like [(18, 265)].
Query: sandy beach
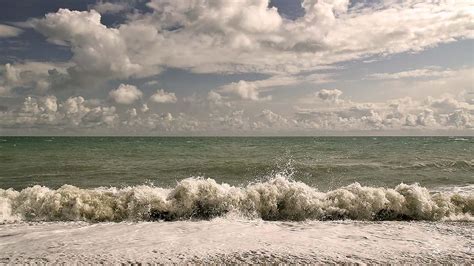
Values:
[(237, 241)]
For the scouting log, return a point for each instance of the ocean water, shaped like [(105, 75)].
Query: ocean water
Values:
[(322, 162), (240, 199)]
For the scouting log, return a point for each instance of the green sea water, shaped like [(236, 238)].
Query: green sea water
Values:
[(323, 162)]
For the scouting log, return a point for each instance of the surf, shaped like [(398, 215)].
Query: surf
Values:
[(197, 198)]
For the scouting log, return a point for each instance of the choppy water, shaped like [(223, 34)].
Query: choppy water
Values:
[(322, 162)]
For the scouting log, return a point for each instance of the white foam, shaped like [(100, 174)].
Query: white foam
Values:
[(236, 241), (197, 198)]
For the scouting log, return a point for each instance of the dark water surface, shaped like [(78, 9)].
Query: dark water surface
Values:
[(324, 162)]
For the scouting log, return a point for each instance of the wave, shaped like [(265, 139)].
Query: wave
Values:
[(278, 198), (460, 164), (466, 189), (467, 165)]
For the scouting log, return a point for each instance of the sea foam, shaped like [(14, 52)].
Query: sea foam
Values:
[(278, 198)]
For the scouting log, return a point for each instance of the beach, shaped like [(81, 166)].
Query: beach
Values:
[(238, 241)]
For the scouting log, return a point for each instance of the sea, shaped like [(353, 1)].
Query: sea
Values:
[(236, 199)]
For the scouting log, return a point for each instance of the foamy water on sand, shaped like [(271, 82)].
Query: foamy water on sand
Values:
[(238, 241)]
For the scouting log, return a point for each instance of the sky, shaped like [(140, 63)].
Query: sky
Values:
[(243, 67)]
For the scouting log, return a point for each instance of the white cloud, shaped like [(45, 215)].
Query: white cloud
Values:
[(247, 15), (126, 94), (38, 111), (152, 82), (145, 108), (9, 31), (248, 36), (250, 90), (214, 97), (40, 78), (235, 121), (444, 113), (28, 74), (162, 96), (243, 90), (270, 120), (329, 95), (80, 113), (430, 72), (98, 51), (418, 83), (109, 7), (46, 112), (406, 114)]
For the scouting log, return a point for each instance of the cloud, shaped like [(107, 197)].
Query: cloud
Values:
[(247, 15), (7, 31), (250, 90), (38, 111), (444, 113), (98, 51), (249, 36), (37, 77), (126, 94), (235, 121), (152, 83), (162, 96), (76, 114), (12, 74), (84, 114), (235, 37), (243, 90), (267, 119), (430, 72), (433, 81), (47, 112), (144, 108), (4, 91), (109, 7), (329, 95)]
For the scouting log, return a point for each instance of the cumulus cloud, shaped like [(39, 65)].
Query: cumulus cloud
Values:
[(250, 36), (98, 51), (250, 90), (268, 119), (162, 96), (144, 108), (444, 113), (235, 121), (37, 77), (243, 90), (78, 114), (235, 37), (109, 7), (329, 95), (126, 94), (75, 113), (7, 31)]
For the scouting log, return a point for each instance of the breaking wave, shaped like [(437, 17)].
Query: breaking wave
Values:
[(197, 198)]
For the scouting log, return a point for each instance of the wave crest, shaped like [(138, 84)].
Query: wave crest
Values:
[(198, 198)]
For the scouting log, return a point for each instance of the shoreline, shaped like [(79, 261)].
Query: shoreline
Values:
[(237, 241)]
